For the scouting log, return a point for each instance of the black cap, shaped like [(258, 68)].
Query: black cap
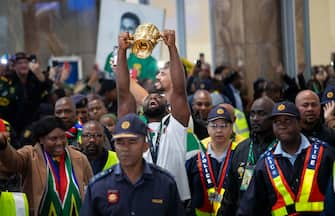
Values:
[(129, 126), (20, 55), (285, 108)]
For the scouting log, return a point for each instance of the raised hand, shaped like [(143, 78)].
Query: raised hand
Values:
[(169, 37), (329, 110), (124, 40)]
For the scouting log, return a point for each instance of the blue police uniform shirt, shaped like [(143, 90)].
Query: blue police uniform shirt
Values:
[(111, 193)]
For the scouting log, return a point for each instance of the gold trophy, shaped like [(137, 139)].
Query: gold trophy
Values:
[(145, 39)]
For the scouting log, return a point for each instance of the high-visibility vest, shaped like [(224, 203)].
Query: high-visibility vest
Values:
[(13, 204), (240, 126), (238, 139), (111, 160), (209, 185), (309, 197)]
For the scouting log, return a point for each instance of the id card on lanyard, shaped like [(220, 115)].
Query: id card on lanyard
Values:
[(250, 167), (154, 148)]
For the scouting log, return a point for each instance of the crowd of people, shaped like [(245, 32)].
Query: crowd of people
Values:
[(185, 144)]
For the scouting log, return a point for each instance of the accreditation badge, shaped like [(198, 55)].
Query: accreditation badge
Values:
[(248, 172), (215, 197)]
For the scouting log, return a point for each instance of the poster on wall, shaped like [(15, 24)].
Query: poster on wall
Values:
[(67, 64), (116, 17)]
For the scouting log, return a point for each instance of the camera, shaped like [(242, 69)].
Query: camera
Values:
[(33, 58), (55, 63)]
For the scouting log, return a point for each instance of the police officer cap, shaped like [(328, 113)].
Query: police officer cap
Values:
[(328, 94), (129, 126), (285, 108), (219, 112), (79, 100)]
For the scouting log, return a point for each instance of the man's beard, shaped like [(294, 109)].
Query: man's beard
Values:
[(154, 112)]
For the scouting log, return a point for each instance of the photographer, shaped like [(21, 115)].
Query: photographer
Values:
[(22, 92)]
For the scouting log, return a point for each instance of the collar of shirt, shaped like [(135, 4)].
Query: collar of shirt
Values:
[(304, 144), (213, 155), (147, 172)]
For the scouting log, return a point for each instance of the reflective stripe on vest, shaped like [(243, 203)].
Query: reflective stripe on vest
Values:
[(111, 160), (213, 191), (241, 125), (334, 177), (13, 204), (308, 189)]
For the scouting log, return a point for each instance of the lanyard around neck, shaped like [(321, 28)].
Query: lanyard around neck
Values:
[(251, 155)]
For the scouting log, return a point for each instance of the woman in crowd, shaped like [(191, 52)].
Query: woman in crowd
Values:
[(54, 175)]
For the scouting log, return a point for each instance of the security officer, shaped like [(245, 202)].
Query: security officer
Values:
[(293, 177), (94, 144), (22, 92), (132, 187), (247, 154), (207, 172)]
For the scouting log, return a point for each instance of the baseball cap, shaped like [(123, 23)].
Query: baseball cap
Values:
[(20, 55), (129, 126), (219, 112), (328, 94), (285, 108)]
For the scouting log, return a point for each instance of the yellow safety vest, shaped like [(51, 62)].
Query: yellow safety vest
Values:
[(111, 160), (240, 126), (13, 204), (238, 139)]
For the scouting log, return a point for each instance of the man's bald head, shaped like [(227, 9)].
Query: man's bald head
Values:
[(308, 104), (202, 103), (260, 112), (264, 101), (306, 94), (66, 110)]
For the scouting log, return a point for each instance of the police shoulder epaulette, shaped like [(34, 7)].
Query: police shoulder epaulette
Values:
[(101, 175), (317, 141)]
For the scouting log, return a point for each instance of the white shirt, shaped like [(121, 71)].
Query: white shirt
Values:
[(172, 152), (304, 144), (220, 158)]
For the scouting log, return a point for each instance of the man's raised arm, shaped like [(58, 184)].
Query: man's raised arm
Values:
[(178, 98), (126, 101)]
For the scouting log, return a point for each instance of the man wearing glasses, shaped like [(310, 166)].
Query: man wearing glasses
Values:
[(94, 143)]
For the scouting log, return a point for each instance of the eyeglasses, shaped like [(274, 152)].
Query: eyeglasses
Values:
[(214, 125), (89, 136)]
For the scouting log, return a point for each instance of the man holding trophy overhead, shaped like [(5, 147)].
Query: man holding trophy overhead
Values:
[(162, 141)]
